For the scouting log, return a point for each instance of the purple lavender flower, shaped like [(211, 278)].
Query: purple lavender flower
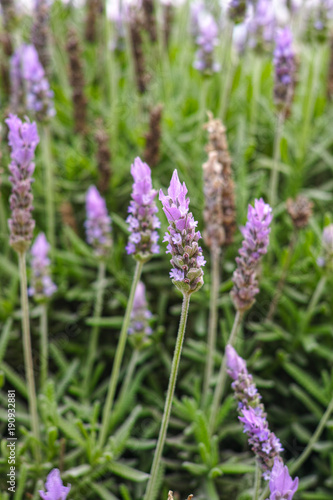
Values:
[(182, 238), (237, 10), (23, 139), (255, 243), (28, 79), (264, 443), (55, 488), (98, 223), (285, 69), (142, 220), (318, 19), (281, 485), (197, 9), (327, 241), (42, 286), (207, 39), (139, 328), (261, 26)]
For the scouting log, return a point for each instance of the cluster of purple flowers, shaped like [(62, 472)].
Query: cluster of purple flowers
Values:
[(237, 10), (29, 82), (139, 327), (98, 223), (261, 25), (205, 30), (255, 243), (142, 220), (264, 443), (285, 68), (55, 490), (187, 259), (23, 139), (42, 285)]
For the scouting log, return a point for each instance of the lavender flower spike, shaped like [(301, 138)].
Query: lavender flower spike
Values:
[(264, 443), (55, 488), (139, 328), (182, 238), (98, 223), (285, 69), (142, 220), (206, 41), (281, 485), (23, 139), (255, 243), (42, 286)]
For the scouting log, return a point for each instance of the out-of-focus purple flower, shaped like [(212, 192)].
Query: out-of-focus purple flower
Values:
[(281, 484), (23, 139), (261, 26), (29, 80), (139, 328), (237, 10), (42, 286), (318, 17), (142, 220), (187, 259), (197, 9), (55, 490), (285, 68), (255, 243), (264, 443), (327, 241), (98, 223), (206, 40)]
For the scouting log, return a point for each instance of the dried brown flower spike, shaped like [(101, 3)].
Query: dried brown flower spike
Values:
[(300, 210), (142, 78), (153, 137), (103, 157), (214, 234), (94, 11), (77, 81), (149, 19), (168, 15), (218, 143), (40, 33)]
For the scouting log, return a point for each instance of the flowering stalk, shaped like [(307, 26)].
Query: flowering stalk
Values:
[(23, 140), (206, 40), (187, 276), (40, 33)]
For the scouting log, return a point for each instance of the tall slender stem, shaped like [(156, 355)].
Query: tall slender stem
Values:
[(212, 326), (43, 346), (50, 185), (95, 332), (28, 354), (313, 303), (118, 357), (274, 181), (152, 487), (282, 280), (129, 373), (220, 384), (257, 481)]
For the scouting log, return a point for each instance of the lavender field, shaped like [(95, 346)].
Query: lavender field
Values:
[(166, 263)]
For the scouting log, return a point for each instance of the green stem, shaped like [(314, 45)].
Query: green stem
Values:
[(28, 354), (274, 181), (118, 357), (257, 481), (221, 380), (129, 373), (282, 280), (212, 326), (95, 332), (43, 346), (301, 459), (152, 487), (49, 185), (313, 303)]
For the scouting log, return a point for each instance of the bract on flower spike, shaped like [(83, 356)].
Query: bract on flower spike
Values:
[(142, 220), (264, 443), (98, 223), (255, 243), (55, 490), (281, 484), (187, 259), (23, 139)]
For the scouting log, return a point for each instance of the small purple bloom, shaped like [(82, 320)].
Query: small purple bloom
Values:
[(261, 26), (285, 68), (29, 82), (187, 259), (139, 328), (42, 286), (142, 220), (281, 485), (264, 443), (98, 223), (255, 243), (206, 40), (55, 490), (327, 241), (23, 139)]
